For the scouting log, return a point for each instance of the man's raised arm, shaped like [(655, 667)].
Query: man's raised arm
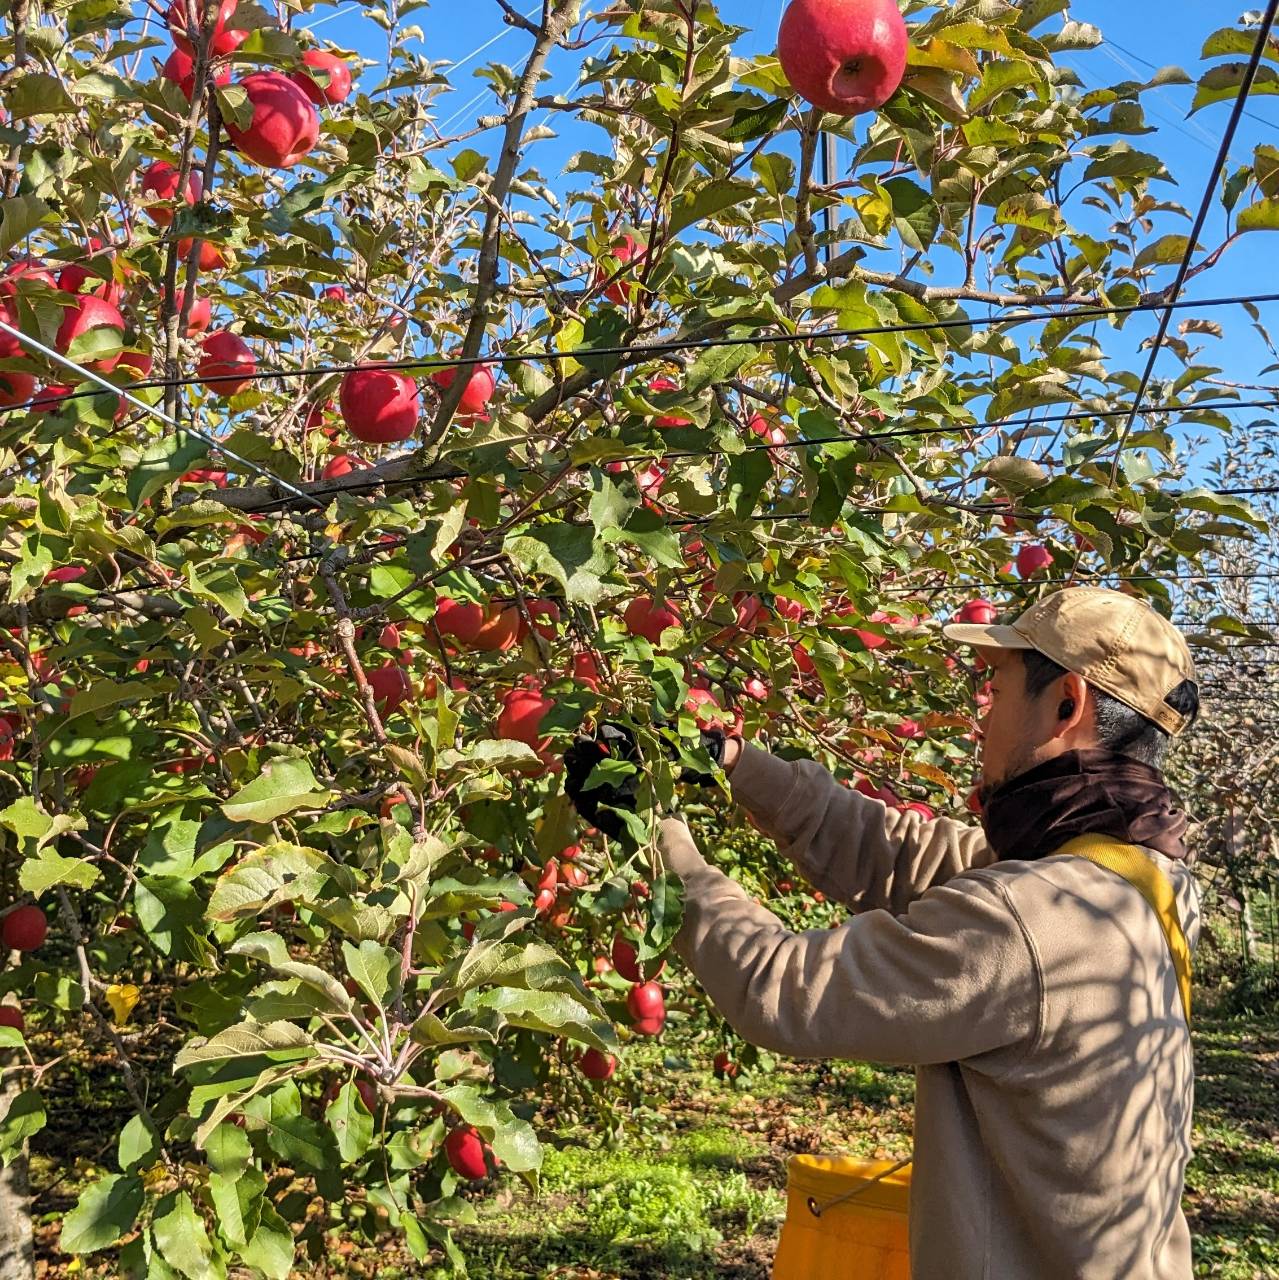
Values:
[(854, 849)]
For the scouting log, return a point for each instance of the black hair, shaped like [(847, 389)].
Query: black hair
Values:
[(1119, 727)]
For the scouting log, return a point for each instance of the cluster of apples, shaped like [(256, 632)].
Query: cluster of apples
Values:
[(283, 128)]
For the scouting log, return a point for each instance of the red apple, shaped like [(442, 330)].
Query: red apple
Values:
[(379, 406), (391, 686), (16, 388), (389, 636), (227, 364), (649, 1026), (224, 41), (1033, 557), (585, 670), (466, 1151), (342, 465), (545, 615), (10, 727), (845, 56), (724, 1067), (595, 1065), (480, 386), (160, 180), (50, 397), (24, 929), (179, 69), (520, 719), (11, 1016), (625, 960), (767, 431), (646, 1001), (667, 421), (23, 268), (284, 127), (338, 88), (88, 313), (791, 610), (333, 293), (757, 689), (210, 257), (647, 617), (980, 612), (499, 630), (623, 288)]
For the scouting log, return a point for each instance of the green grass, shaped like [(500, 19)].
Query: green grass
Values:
[(688, 1181), (1232, 1185)]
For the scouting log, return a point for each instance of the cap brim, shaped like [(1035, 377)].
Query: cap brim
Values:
[(986, 637)]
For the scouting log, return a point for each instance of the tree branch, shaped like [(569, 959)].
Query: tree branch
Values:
[(561, 16)]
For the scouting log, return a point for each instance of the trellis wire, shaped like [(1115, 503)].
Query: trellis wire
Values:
[(1205, 205)]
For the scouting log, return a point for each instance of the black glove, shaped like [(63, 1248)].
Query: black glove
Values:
[(615, 742)]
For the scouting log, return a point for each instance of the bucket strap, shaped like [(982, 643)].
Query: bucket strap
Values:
[(1132, 864), (818, 1209)]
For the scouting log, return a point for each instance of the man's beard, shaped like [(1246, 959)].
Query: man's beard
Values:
[(1023, 759)]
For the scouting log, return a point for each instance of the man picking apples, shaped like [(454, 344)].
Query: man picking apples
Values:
[(1038, 994)]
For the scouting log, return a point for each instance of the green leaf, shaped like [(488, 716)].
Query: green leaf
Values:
[(691, 207), (376, 970), (23, 1117), (19, 217), (37, 875), (237, 1202), (715, 365), (37, 94), (183, 1242), (280, 1040), (998, 78), (106, 1210), (647, 530), (915, 214), (138, 1145), (1222, 84), (172, 914), (553, 1012), (272, 1248), (285, 784), (269, 877), (569, 554), (1262, 216), (270, 949), (514, 1141), (749, 123), (351, 1122)]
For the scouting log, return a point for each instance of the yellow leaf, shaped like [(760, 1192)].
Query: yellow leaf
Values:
[(946, 56), (122, 998)]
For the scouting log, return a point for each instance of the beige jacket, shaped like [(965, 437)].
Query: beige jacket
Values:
[(1037, 1001)]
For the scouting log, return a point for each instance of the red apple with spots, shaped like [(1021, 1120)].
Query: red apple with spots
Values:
[(844, 56), (338, 87), (227, 363), (379, 405), (284, 127)]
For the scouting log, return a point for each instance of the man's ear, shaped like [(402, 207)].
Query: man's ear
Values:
[(1073, 710)]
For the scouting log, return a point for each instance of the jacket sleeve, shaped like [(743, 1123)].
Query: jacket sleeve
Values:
[(854, 849), (953, 978)]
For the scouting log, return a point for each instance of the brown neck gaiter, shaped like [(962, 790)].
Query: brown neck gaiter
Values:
[(1092, 792)]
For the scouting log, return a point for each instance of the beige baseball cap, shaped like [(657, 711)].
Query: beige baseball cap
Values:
[(1116, 642)]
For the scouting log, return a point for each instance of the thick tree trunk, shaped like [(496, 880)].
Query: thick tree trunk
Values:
[(17, 1255)]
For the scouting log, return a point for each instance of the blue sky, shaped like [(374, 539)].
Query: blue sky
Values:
[(1138, 32)]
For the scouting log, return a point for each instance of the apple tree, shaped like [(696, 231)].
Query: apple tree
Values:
[(417, 456)]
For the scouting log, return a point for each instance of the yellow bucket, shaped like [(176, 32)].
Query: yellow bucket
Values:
[(845, 1220)]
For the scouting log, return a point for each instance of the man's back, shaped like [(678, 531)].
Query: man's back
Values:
[(1064, 1156)]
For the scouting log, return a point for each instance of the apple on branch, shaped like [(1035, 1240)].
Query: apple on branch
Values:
[(844, 56)]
